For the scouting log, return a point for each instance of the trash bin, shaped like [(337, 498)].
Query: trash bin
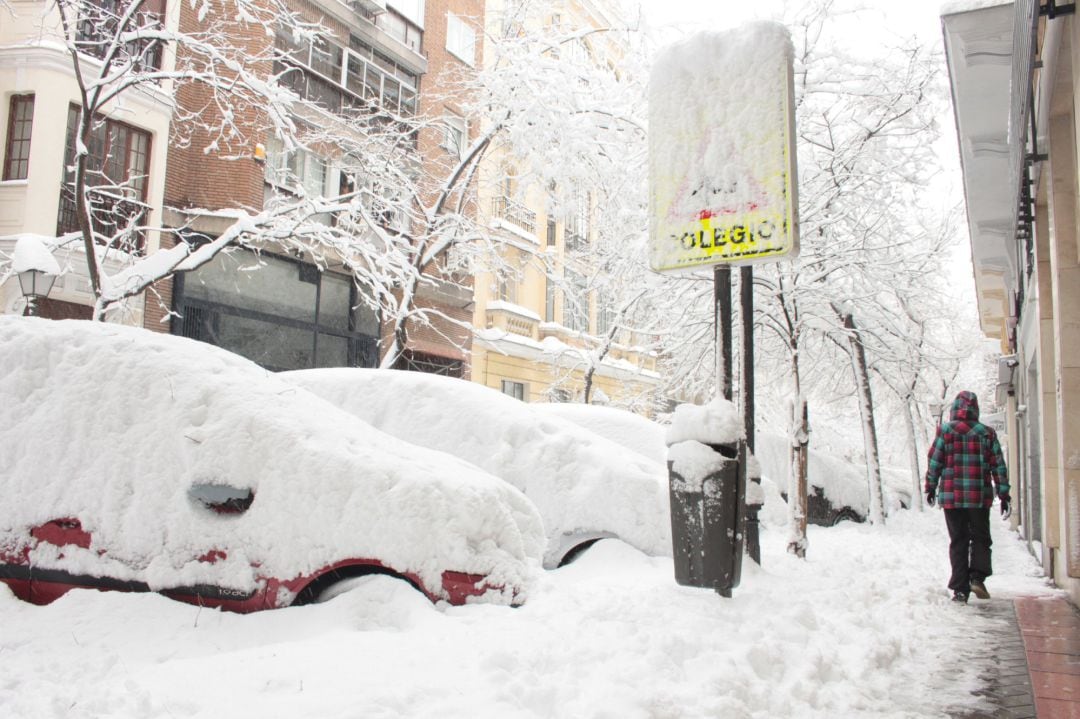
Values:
[(707, 513)]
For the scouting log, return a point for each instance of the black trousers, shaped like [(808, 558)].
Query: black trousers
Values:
[(969, 546)]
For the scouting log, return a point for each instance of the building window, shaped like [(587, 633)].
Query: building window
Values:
[(460, 39), (549, 300), (508, 290), (455, 135), (550, 232), (100, 22), (297, 170), (433, 364), (576, 302), (282, 314), (117, 164), (341, 78), (17, 147), (514, 389), (398, 27), (576, 235)]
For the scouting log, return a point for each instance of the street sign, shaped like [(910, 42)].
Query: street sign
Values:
[(722, 176)]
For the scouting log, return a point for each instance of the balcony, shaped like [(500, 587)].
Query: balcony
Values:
[(515, 213), (513, 319)]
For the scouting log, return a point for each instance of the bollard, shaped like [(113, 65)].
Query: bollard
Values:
[(707, 515)]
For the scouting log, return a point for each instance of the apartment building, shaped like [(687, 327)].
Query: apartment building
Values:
[(1014, 69), (541, 323), (39, 107), (294, 311)]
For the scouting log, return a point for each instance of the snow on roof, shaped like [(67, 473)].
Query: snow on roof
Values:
[(578, 480), (114, 424)]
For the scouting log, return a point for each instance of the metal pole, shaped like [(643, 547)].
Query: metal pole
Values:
[(746, 309), (722, 300)]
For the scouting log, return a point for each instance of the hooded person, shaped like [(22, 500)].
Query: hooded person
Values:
[(965, 459)]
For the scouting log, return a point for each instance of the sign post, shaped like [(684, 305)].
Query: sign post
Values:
[(723, 186)]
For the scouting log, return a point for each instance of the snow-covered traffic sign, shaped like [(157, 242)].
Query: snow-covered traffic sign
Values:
[(723, 184)]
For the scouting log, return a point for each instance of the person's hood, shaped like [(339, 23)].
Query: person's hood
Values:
[(965, 407)]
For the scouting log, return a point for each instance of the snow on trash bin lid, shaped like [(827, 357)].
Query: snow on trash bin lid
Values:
[(716, 422)]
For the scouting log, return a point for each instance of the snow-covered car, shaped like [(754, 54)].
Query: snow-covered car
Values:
[(632, 431), (138, 461), (585, 486), (837, 490)]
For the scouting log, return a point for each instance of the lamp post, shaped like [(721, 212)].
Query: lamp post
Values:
[(37, 270)]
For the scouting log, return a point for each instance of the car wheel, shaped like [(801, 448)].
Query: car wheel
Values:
[(577, 551), (846, 514), (336, 582)]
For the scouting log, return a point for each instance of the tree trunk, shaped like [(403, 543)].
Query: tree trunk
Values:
[(797, 499), (913, 455), (866, 409)]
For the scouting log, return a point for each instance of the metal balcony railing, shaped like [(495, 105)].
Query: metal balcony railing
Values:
[(514, 212)]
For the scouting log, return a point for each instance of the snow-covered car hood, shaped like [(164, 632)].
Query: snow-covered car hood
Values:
[(581, 482), (114, 424)]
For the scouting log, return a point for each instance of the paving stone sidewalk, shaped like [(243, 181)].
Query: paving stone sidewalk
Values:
[(1006, 682), (1040, 642)]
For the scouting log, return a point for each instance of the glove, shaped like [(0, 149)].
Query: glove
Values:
[(1006, 507), (931, 497)]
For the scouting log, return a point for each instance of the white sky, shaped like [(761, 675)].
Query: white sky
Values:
[(911, 16)]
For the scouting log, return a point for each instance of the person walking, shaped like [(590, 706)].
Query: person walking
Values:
[(966, 458)]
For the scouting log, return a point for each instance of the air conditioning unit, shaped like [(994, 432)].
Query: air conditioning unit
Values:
[(1006, 382)]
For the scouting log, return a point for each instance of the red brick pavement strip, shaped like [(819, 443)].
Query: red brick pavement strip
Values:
[(1050, 627)]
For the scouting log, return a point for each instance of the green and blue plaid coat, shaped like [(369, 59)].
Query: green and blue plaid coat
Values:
[(965, 457)]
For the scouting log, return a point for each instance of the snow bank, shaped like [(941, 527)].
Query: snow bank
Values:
[(581, 483), (113, 425), (862, 628)]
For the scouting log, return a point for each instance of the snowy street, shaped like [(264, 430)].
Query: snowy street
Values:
[(863, 628)]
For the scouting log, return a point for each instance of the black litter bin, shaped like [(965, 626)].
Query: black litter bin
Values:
[(707, 516)]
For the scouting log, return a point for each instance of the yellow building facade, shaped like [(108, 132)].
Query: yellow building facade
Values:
[(544, 331)]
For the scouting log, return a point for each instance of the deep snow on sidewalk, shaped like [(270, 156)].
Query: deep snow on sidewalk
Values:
[(863, 627)]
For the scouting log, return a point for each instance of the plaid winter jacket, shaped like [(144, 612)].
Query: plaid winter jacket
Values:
[(965, 456)]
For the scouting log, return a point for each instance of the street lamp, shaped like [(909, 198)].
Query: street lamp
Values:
[(37, 270)]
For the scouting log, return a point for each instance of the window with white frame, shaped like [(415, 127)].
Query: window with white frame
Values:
[(456, 135), (17, 145), (412, 10), (460, 39), (576, 301), (296, 171)]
